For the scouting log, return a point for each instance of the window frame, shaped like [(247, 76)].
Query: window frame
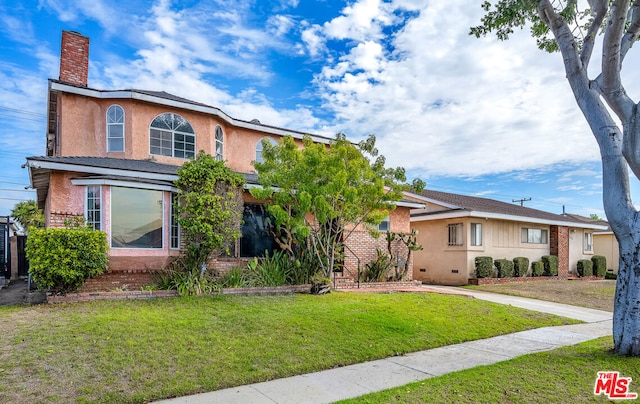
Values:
[(108, 126), (455, 229), (588, 241), (385, 224), (476, 233), (544, 235), (93, 223), (174, 225), (220, 141), (174, 134)]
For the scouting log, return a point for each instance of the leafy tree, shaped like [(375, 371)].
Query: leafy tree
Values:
[(572, 28), (595, 216), (209, 208), (28, 214), (320, 195)]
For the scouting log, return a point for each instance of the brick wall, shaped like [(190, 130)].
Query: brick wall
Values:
[(74, 58), (361, 244), (58, 218), (132, 279), (559, 246)]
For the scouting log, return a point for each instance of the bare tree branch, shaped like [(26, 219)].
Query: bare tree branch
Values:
[(631, 36), (598, 11)]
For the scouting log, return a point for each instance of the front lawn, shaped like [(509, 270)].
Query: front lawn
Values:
[(136, 351), (564, 375)]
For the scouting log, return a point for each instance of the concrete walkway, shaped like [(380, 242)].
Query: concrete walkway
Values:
[(355, 380)]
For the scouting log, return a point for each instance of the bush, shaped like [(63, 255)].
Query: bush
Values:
[(610, 275), (235, 278), (504, 267), (521, 266), (537, 268), (585, 268), (272, 270), (599, 265), (550, 265), (484, 267), (178, 276), (60, 260), (378, 269)]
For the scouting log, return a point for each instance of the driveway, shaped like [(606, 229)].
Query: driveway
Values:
[(16, 293)]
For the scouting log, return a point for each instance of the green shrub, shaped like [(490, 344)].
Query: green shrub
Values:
[(537, 268), (585, 268), (60, 260), (178, 276), (484, 267), (610, 275), (521, 266), (550, 265), (271, 270), (599, 265), (235, 278), (504, 267), (378, 269)]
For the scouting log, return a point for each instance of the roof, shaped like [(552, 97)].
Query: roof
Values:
[(105, 170), (456, 205), (164, 98)]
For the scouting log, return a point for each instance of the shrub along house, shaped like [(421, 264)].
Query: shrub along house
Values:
[(112, 157), (455, 229)]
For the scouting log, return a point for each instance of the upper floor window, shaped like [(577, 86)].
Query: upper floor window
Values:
[(455, 234), (219, 143), (171, 135), (476, 234), (534, 236), (588, 241), (115, 129), (259, 148)]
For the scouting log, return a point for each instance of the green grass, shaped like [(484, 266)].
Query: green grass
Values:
[(564, 375), (136, 351)]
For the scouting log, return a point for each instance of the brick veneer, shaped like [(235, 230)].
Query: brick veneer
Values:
[(57, 218), (559, 246), (74, 58), (363, 245)]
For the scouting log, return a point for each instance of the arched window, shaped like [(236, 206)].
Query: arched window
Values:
[(259, 148), (172, 135), (115, 129), (219, 143)]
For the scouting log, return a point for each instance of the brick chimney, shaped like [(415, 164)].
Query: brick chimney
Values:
[(74, 58)]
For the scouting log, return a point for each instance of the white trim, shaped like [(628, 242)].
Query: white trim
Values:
[(406, 204), (80, 168), (430, 200), (215, 142), (170, 224), (488, 215), (183, 105), (124, 184)]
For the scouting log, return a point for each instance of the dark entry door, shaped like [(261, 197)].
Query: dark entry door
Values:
[(23, 263), (5, 257)]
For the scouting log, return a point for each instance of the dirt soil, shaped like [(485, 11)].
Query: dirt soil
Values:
[(16, 293), (593, 294)]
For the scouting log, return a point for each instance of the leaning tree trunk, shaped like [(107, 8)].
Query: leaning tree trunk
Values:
[(626, 312)]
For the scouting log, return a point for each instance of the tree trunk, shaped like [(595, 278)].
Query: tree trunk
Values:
[(626, 314)]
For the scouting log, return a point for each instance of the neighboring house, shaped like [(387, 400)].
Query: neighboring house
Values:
[(455, 229), (8, 229), (112, 158), (604, 242)]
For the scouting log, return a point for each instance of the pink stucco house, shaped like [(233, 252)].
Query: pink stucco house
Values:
[(112, 157)]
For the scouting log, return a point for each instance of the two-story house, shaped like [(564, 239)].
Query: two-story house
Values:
[(112, 157)]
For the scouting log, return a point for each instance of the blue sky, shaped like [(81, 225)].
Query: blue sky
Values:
[(470, 116)]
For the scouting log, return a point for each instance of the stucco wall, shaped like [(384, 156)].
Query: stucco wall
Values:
[(576, 248), (605, 244), (82, 127), (440, 263)]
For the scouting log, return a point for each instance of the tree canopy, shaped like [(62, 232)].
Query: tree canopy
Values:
[(324, 193), (28, 214)]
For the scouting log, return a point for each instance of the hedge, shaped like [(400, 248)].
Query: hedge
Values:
[(484, 267), (60, 260), (504, 267), (599, 265), (537, 268), (550, 265), (521, 266), (585, 268)]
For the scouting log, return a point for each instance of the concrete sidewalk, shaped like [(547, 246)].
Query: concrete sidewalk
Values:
[(355, 380)]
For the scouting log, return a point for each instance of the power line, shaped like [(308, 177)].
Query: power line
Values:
[(17, 190), (23, 111), (14, 183)]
